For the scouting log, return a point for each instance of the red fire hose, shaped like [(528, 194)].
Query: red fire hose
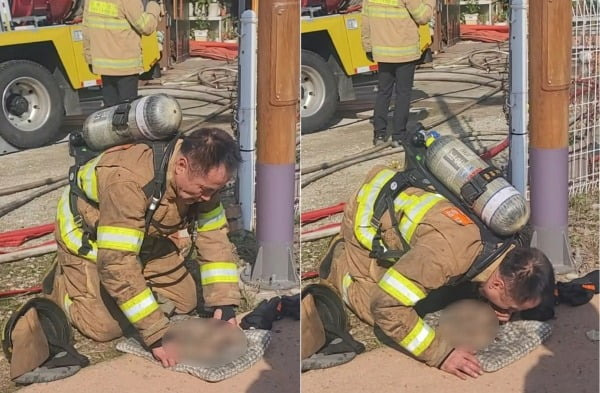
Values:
[(15, 292), (20, 236), (316, 215)]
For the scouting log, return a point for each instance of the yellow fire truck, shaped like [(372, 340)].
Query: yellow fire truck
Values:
[(43, 73)]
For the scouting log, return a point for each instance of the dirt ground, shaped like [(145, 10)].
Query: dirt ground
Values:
[(567, 362)]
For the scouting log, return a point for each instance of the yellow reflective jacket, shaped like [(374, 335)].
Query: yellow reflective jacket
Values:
[(396, 31), (115, 181), (112, 31)]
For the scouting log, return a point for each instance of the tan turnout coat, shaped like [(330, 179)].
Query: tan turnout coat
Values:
[(112, 31), (390, 28)]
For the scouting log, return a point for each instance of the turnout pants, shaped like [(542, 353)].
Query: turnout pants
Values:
[(116, 89), (392, 77), (355, 292), (78, 291)]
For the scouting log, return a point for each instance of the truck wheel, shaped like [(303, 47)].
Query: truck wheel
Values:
[(319, 94), (32, 105)]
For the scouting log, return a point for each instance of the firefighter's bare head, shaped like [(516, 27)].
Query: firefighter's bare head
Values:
[(205, 163), (520, 281)]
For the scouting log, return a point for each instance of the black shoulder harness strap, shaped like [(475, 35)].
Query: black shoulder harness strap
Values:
[(385, 203), (155, 189), (416, 174)]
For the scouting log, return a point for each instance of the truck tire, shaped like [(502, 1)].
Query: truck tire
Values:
[(319, 93), (32, 105)]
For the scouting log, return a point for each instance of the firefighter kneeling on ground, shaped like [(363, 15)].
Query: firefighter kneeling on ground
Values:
[(121, 273), (440, 243)]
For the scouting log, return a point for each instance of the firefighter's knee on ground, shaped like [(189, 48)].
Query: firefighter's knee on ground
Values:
[(91, 326)]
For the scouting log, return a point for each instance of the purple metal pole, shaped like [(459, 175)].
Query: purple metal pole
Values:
[(277, 110), (549, 205)]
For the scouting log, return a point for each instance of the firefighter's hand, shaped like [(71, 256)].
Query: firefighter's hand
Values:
[(226, 313), (370, 56), (462, 363), (166, 354)]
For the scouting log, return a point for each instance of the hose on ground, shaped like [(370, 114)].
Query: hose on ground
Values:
[(30, 185), (183, 95), (211, 116), (24, 291), (219, 93), (27, 253), (7, 208), (344, 163), (325, 165)]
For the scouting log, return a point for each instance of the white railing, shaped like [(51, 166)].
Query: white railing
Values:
[(584, 119)]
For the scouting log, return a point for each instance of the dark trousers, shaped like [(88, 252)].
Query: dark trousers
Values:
[(116, 89), (398, 76)]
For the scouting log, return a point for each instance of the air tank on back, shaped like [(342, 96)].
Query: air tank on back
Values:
[(501, 207), (154, 117)]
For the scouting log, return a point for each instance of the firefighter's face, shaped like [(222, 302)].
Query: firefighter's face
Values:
[(193, 186), (496, 291)]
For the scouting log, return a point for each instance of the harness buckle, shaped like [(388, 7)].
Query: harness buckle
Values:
[(78, 221)]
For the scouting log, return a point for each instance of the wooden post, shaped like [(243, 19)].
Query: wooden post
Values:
[(277, 120), (549, 80)]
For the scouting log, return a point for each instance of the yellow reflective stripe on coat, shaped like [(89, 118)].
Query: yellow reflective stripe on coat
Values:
[(363, 229), (384, 2), (400, 288), (387, 12), (87, 179), (218, 272), (413, 213), (100, 22), (212, 220), (103, 8), (119, 238), (142, 21), (139, 306), (117, 63), (420, 10), (346, 282), (396, 50), (69, 231), (419, 338)]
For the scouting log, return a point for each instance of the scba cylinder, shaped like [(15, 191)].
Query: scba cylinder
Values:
[(152, 118), (501, 207)]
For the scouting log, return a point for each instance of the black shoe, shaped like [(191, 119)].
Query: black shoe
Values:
[(379, 140)]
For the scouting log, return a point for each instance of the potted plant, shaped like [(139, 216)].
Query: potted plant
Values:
[(201, 31), (500, 17), (471, 15)]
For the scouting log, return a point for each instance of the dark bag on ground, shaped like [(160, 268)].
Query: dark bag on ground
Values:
[(38, 342)]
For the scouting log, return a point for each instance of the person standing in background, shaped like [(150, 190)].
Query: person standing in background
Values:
[(112, 31), (390, 33)]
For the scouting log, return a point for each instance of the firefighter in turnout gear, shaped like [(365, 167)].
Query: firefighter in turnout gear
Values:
[(439, 243), (392, 37), (112, 31), (116, 271)]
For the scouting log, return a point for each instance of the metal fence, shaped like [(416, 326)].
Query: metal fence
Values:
[(584, 121)]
